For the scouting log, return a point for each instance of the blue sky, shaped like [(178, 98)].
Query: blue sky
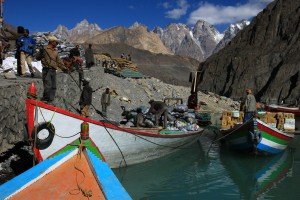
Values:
[(41, 15)]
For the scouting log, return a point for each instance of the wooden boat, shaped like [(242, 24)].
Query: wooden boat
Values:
[(52, 128), (256, 136), (76, 171), (257, 176), (283, 108)]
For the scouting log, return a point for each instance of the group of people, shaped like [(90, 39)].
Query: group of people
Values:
[(25, 45), (51, 61)]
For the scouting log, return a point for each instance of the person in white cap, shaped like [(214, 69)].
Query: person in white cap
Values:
[(85, 98), (51, 62)]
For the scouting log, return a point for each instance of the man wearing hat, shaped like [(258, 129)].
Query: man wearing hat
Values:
[(51, 62), (158, 108), (250, 105), (85, 98)]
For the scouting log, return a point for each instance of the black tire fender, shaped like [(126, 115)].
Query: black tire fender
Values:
[(42, 144)]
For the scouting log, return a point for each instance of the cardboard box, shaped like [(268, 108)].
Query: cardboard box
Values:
[(240, 119), (229, 114), (289, 126), (281, 121), (286, 115), (226, 127), (224, 122), (272, 125), (236, 113), (271, 120), (279, 115), (242, 114), (289, 121), (280, 126), (271, 114), (224, 113)]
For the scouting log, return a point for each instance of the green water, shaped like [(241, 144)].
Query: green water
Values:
[(200, 172)]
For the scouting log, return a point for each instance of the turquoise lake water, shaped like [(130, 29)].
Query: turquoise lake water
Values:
[(201, 172)]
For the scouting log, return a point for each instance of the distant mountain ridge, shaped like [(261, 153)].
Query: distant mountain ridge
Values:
[(198, 42)]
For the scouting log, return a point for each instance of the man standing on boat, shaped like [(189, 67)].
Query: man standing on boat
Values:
[(85, 98), (158, 108), (51, 62), (105, 101), (250, 105)]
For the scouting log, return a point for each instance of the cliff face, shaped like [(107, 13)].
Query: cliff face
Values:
[(264, 56)]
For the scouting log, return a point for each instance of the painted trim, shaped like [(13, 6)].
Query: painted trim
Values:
[(32, 175), (110, 184)]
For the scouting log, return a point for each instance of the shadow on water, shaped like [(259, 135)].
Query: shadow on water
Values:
[(15, 161)]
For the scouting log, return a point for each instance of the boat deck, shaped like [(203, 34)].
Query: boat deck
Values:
[(73, 180)]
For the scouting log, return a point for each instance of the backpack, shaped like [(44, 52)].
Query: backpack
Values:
[(39, 53)]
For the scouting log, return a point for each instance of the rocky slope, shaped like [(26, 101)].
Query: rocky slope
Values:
[(263, 56), (168, 68), (230, 33)]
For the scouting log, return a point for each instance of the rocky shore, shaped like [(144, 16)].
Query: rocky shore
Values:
[(128, 92)]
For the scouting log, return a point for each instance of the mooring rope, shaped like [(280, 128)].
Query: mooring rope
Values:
[(85, 192)]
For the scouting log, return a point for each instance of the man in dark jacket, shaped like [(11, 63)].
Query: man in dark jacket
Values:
[(75, 52), (250, 105), (85, 98), (158, 108), (26, 45), (89, 57)]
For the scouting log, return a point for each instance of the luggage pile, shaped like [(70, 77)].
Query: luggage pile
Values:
[(179, 118), (231, 118), (281, 121)]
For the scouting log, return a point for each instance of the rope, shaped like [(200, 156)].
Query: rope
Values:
[(52, 129), (108, 121), (85, 192)]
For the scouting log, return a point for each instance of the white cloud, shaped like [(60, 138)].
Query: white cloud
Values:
[(218, 14), (176, 13), (166, 5)]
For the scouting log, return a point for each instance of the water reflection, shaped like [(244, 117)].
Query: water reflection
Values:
[(195, 173), (255, 177)]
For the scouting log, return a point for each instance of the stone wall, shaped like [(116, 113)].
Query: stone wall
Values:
[(12, 104)]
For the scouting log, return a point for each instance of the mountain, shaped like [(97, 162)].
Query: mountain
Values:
[(263, 56), (230, 33), (137, 36), (82, 29), (197, 42)]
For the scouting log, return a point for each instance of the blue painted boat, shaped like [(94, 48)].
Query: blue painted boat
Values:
[(77, 171)]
